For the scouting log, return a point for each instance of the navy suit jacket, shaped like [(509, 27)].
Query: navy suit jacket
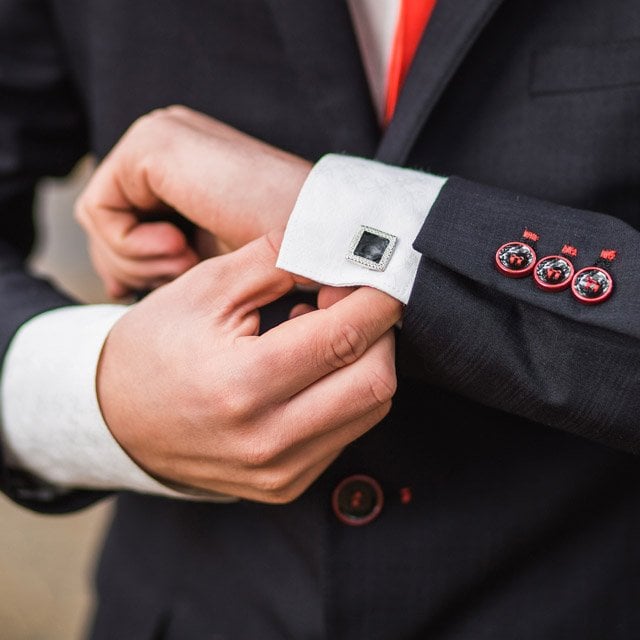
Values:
[(508, 464)]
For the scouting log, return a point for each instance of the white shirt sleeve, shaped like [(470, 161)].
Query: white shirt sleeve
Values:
[(354, 224), (51, 422)]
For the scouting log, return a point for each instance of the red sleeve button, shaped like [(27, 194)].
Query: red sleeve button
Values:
[(553, 273), (592, 285), (515, 259)]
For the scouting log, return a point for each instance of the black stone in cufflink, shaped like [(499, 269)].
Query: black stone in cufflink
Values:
[(371, 248)]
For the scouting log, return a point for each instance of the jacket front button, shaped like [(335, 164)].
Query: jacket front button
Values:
[(357, 500)]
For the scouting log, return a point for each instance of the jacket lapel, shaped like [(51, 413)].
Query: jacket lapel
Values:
[(452, 30), (322, 50)]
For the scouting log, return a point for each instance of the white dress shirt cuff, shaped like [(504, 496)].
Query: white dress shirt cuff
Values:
[(52, 424), (342, 199)]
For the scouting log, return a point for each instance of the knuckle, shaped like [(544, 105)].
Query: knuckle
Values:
[(160, 115), (178, 110), (283, 497), (258, 454), (151, 123), (144, 122), (264, 252), (272, 242), (382, 385), (374, 417), (384, 410), (278, 487), (272, 484), (87, 209), (150, 117), (80, 212), (237, 405), (346, 345)]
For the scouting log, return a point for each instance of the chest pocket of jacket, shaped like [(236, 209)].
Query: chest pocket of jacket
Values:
[(585, 67)]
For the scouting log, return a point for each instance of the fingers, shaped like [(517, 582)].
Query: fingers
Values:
[(269, 474), (113, 287), (316, 450), (122, 275), (310, 346), (224, 180), (279, 484), (130, 255), (178, 159), (300, 309), (124, 232), (281, 487), (346, 394), (144, 239), (282, 452), (248, 419), (246, 279)]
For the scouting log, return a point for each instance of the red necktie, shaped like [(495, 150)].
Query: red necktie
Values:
[(413, 18)]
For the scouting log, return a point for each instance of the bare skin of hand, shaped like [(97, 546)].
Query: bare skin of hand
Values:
[(197, 398), (226, 182)]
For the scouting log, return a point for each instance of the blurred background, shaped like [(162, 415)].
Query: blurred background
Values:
[(46, 562)]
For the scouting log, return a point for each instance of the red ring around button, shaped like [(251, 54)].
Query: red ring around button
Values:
[(598, 279), (514, 253), (357, 500), (559, 265)]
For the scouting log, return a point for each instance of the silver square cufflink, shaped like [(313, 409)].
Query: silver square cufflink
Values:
[(371, 248)]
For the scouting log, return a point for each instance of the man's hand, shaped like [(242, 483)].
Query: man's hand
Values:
[(197, 398), (223, 180)]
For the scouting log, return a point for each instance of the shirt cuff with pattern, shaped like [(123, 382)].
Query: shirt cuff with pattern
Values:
[(51, 422), (354, 223)]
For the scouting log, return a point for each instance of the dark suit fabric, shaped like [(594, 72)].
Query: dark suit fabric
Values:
[(517, 420)]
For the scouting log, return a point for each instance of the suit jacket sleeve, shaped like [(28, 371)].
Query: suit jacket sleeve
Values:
[(42, 132), (506, 343)]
